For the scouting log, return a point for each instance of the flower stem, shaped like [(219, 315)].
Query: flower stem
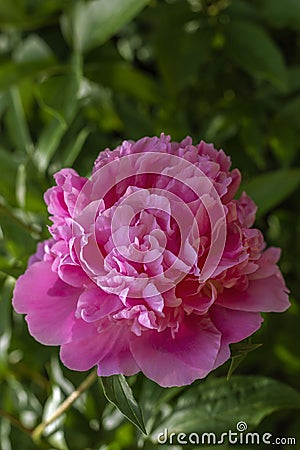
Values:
[(64, 406)]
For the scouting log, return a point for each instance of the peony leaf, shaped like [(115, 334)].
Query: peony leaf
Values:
[(255, 52), (270, 189), (242, 348), (218, 405), (90, 24), (119, 393), (238, 352)]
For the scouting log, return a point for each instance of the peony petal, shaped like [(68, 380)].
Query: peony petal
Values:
[(72, 274), (89, 344), (262, 295), (94, 304), (179, 361), (234, 326), (48, 302), (120, 359), (153, 266)]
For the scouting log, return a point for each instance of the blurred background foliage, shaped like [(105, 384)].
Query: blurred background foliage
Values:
[(78, 76)]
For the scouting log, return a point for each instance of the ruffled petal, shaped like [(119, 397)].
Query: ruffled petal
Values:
[(95, 304)]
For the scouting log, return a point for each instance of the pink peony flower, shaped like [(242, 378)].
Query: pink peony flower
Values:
[(152, 266)]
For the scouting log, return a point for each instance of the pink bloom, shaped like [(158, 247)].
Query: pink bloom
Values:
[(152, 266)]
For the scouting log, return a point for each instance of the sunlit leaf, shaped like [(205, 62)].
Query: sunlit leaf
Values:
[(92, 23), (50, 407), (48, 143)]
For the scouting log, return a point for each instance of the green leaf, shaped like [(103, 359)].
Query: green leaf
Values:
[(58, 378), (218, 405), (17, 233), (57, 440), (5, 432), (33, 49), (270, 189), (242, 348), (99, 107), (282, 14), (238, 352), (254, 51), (13, 72), (5, 323), (75, 147), (283, 141), (183, 44), (62, 109), (58, 96), (25, 14), (9, 171), (154, 398), (122, 77), (21, 186), (51, 405), (136, 121), (48, 143), (94, 22), (11, 11), (17, 123), (31, 57), (118, 392)]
